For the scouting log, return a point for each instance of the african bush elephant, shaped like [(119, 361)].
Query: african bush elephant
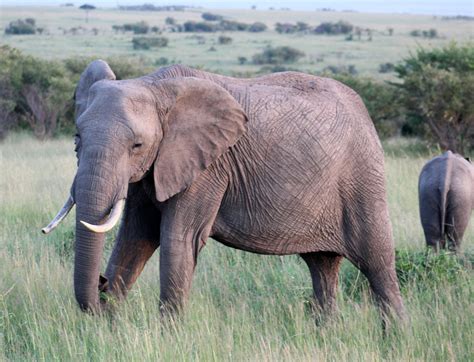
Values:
[(287, 163), (446, 198)]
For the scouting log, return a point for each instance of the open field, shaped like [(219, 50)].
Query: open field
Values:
[(321, 50), (243, 306)]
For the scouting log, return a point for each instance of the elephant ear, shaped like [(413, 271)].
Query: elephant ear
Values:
[(95, 71), (203, 121)]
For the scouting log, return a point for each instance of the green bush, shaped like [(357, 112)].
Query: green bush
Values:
[(223, 39), (147, 43), (278, 55), (140, 27), (423, 270), (341, 27), (196, 27), (230, 25), (36, 94), (437, 90), (211, 17), (257, 27), (21, 27), (431, 33)]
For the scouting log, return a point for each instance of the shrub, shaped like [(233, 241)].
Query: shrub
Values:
[(242, 60), (341, 27), (21, 27), (341, 69), (438, 89), (193, 26), (257, 27), (170, 21), (278, 55), (386, 67), (431, 33), (415, 269), (211, 17), (224, 39), (161, 61), (35, 93), (285, 28), (140, 28), (147, 43), (231, 25)]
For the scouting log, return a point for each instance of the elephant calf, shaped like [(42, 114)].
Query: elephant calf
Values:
[(287, 163), (446, 199)]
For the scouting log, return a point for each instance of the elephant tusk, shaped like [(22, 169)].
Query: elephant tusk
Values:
[(60, 216), (112, 219)]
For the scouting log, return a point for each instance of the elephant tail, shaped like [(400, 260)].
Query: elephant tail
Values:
[(445, 183)]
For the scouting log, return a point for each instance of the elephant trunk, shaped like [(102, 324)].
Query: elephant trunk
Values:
[(95, 197)]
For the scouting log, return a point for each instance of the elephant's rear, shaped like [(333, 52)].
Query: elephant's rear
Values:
[(445, 198)]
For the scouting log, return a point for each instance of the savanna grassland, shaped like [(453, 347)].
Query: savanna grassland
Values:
[(321, 50), (242, 306)]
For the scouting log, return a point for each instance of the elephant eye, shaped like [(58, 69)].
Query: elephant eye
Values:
[(137, 145), (77, 140)]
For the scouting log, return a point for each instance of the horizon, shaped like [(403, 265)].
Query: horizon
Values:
[(423, 7)]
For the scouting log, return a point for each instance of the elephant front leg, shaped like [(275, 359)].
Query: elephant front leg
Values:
[(185, 226), (137, 240)]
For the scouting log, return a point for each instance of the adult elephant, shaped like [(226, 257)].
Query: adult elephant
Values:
[(446, 199), (287, 163)]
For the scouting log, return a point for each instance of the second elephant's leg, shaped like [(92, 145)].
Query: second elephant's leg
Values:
[(324, 269)]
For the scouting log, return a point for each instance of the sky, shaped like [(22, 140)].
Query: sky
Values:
[(434, 7)]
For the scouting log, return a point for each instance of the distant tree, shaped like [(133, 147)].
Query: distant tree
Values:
[(257, 27), (242, 60), (223, 39), (170, 21), (438, 89), (231, 25), (278, 55), (386, 67), (341, 27), (193, 26), (390, 31), (285, 28), (87, 8), (211, 17), (21, 27), (302, 26), (146, 43)]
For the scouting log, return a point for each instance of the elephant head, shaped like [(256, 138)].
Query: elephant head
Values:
[(173, 127)]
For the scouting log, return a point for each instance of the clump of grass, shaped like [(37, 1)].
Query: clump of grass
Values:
[(420, 269)]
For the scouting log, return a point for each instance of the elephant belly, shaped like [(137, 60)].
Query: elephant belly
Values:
[(293, 227)]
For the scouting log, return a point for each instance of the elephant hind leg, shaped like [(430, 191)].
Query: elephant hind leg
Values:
[(379, 268), (324, 269)]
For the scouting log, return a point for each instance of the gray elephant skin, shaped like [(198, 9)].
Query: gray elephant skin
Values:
[(283, 164), (446, 199)]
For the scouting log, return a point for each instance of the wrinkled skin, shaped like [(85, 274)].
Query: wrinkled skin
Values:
[(446, 199), (283, 164)]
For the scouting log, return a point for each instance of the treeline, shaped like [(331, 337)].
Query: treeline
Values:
[(431, 99)]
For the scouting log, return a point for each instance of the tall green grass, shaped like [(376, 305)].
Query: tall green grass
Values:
[(242, 307)]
